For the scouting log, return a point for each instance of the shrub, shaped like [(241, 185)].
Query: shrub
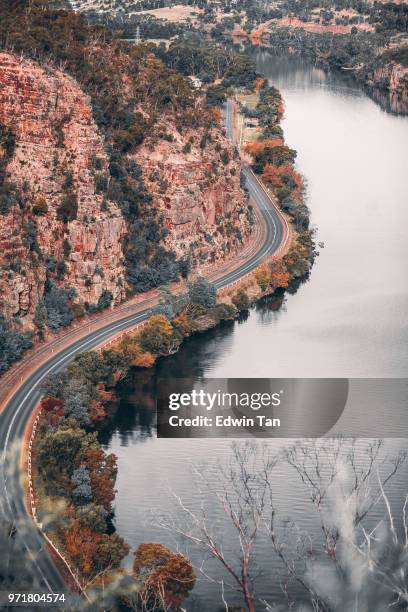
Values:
[(262, 277), (223, 312), (203, 292), (68, 209), (12, 344), (66, 248), (167, 578), (158, 336), (101, 183), (40, 207), (241, 300), (81, 480), (57, 301)]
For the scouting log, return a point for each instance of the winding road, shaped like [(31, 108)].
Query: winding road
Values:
[(17, 412)]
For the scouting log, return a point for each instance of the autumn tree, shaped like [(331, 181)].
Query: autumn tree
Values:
[(133, 352), (296, 260), (52, 410), (102, 469), (158, 336), (241, 300), (56, 457), (262, 277), (279, 277), (167, 577), (92, 552)]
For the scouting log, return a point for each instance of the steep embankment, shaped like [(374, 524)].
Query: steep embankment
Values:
[(390, 71), (56, 227), (196, 187), (78, 227)]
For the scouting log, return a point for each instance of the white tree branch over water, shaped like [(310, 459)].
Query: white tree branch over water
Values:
[(355, 565)]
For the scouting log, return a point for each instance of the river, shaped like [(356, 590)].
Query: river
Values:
[(348, 320)]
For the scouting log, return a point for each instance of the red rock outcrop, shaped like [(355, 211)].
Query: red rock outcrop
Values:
[(197, 191), (56, 140), (392, 76), (57, 145)]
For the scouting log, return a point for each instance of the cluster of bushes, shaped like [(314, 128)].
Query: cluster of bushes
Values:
[(274, 161), (72, 467), (192, 54), (55, 308), (177, 317), (295, 265), (12, 344)]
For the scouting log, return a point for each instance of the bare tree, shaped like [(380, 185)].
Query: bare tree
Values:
[(355, 565), (243, 493), (360, 565)]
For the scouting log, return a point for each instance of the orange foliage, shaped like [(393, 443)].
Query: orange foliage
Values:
[(92, 552), (102, 471), (279, 275), (82, 547), (262, 277), (183, 324), (135, 354), (273, 175), (259, 82), (96, 411), (145, 360), (166, 576), (255, 148)]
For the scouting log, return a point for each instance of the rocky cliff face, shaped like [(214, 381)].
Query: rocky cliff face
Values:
[(392, 76), (56, 221), (56, 141), (195, 181)]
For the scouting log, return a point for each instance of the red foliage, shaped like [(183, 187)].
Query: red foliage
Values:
[(52, 409), (102, 470), (255, 148), (96, 411), (279, 275), (93, 552), (50, 404)]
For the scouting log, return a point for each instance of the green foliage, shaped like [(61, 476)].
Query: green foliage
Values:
[(158, 336), (203, 292), (66, 248), (192, 54), (30, 236), (92, 516), (12, 344), (57, 301), (57, 452), (68, 209)]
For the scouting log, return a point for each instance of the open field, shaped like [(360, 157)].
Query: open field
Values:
[(174, 14)]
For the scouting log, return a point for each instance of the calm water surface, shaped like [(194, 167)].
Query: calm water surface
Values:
[(349, 319)]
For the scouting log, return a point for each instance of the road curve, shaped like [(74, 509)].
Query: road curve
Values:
[(16, 414)]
